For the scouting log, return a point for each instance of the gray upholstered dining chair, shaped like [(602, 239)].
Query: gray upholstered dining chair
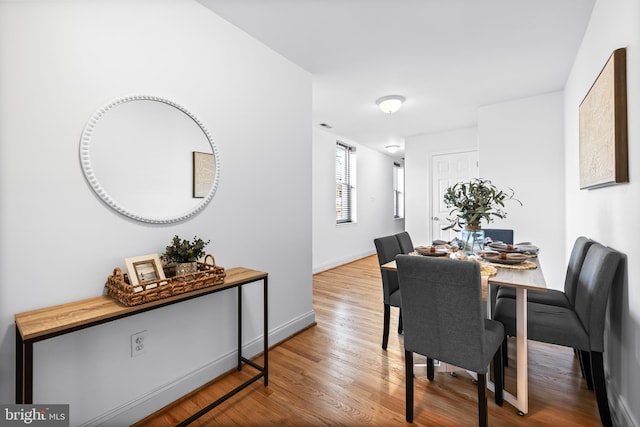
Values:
[(560, 298), (580, 326), (503, 235), (387, 248), (406, 245), (443, 320), (564, 298)]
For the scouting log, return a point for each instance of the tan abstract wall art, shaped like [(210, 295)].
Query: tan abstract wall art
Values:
[(603, 127)]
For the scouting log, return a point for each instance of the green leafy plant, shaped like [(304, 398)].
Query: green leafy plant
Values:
[(473, 201), (183, 250)]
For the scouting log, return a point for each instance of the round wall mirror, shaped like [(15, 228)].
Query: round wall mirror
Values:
[(150, 159)]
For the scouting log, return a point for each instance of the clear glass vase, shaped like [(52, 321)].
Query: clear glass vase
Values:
[(472, 239)]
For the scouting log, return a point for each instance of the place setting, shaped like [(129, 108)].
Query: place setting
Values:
[(433, 250), (504, 255), (522, 248)]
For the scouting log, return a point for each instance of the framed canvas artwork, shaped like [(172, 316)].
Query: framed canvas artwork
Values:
[(603, 127)]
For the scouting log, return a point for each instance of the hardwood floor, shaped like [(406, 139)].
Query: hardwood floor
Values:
[(336, 373)]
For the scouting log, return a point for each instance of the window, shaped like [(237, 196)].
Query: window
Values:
[(398, 190), (345, 183)]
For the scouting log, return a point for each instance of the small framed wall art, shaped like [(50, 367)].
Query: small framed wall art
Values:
[(204, 170), (145, 268), (603, 127)]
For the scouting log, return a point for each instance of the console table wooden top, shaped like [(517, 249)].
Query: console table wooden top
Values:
[(38, 324)]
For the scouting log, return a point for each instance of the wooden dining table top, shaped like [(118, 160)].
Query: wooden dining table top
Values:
[(517, 278)]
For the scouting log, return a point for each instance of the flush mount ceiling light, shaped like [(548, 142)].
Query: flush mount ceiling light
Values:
[(390, 103), (392, 148)]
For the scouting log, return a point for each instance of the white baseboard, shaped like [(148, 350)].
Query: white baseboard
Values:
[(620, 413), (338, 262), (156, 399)]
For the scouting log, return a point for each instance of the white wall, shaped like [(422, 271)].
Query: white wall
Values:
[(419, 150), (521, 147), (59, 61), (335, 244), (610, 214)]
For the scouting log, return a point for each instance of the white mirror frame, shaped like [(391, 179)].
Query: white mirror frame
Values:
[(85, 160)]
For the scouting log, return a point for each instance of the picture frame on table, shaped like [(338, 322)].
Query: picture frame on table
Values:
[(143, 269), (603, 127), (204, 171)]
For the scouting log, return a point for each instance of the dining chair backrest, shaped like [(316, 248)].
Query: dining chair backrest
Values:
[(592, 291), (387, 248), (503, 235), (499, 234), (442, 310), (576, 260), (406, 245)]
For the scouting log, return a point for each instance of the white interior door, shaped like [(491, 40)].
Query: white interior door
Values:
[(446, 170)]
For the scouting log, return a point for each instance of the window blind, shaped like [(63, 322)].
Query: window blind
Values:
[(345, 162), (398, 190)]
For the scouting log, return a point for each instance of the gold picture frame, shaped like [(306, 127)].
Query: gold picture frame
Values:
[(603, 126), (204, 171), (145, 268)]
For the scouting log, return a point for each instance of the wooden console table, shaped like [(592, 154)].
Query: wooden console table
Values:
[(38, 325)]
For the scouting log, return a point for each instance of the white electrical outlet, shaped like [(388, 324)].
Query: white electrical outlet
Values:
[(138, 343)]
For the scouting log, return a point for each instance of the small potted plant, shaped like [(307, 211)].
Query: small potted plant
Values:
[(472, 202), (184, 254)]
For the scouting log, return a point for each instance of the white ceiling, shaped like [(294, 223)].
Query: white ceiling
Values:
[(447, 57)]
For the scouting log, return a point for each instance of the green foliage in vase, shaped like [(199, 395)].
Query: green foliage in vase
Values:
[(473, 201), (183, 250)]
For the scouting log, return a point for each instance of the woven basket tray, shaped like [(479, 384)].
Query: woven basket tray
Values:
[(119, 288)]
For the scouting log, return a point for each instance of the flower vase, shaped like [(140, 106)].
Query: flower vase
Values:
[(472, 239)]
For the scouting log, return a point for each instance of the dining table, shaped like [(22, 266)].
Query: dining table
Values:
[(522, 279)]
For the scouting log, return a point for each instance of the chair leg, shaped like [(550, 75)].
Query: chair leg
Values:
[(430, 368), (505, 351), (498, 376), (585, 359), (600, 385), (385, 326), (408, 369), (483, 418), (576, 352), (400, 329)]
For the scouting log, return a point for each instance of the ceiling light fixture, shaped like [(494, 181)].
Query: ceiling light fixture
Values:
[(390, 103), (392, 148)]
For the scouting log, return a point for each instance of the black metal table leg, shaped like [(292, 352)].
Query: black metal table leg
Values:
[(239, 328), (24, 369), (19, 367), (28, 372), (263, 371), (265, 368)]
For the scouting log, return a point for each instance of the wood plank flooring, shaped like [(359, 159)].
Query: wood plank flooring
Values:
[(336, 373)]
